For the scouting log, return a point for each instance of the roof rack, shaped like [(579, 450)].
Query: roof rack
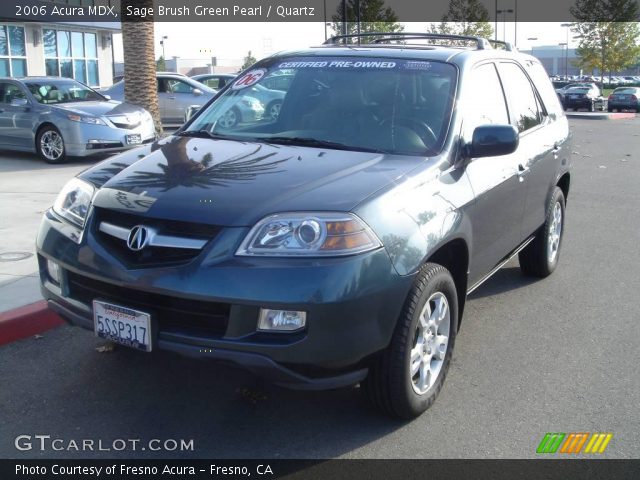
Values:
[(481, 43), (506, 45)]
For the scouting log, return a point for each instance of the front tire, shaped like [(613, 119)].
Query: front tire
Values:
[(50, 145), (230, 118), (405, 379), (540, 257)]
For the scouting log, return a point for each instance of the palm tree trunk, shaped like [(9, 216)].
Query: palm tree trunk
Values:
[(140, 85)]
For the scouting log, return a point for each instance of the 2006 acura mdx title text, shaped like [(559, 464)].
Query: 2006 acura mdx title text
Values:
[(335, 243)]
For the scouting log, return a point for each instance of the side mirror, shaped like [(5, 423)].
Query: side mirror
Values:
[(19, 102), (493, 141), (108, 97), (197, 92)]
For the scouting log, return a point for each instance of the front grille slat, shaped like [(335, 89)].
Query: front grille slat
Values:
[(150, 256), (175, 314)]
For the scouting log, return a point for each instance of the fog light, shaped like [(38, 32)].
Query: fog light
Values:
[(53, 269), (281, 320)]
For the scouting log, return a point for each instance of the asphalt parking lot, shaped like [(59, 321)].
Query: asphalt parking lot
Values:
[(558, 355)]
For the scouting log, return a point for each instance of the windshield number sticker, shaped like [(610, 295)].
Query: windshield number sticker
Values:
[(249, 79)]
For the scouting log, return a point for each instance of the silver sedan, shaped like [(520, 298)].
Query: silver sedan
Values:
[(59, 117), (176, 94)]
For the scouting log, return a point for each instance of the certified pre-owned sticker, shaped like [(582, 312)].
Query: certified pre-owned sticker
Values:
[(249, 78)]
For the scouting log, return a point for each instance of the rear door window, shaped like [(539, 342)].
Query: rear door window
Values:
[(524, 109)]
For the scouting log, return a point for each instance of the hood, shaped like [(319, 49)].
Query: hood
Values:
[(232, 183), (98, 109)]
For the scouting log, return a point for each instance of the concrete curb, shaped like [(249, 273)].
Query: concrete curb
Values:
[(27, 321), (601, 115)]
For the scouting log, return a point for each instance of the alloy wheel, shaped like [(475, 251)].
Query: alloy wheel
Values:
[(229, 119), (555, 231), (51, 145), (431, 340)]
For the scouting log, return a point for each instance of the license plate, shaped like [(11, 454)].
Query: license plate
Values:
[(575, 96), (122, 325), (134, 139)]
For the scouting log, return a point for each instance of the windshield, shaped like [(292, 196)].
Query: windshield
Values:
[(351, 103), (625, 90), (52, 92)]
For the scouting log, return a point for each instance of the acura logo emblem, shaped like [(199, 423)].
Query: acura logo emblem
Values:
[(138, 238)]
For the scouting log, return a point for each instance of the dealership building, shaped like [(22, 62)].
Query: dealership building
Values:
[(80, 50)]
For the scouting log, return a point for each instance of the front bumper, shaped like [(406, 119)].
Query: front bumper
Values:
[(352, 303), (84, 139)]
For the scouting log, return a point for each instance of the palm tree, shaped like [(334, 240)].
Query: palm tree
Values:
[(140, 86)]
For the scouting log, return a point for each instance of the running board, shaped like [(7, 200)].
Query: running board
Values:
[(501, 264)]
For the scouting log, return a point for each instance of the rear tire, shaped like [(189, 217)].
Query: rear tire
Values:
[(50, 145), (405, 379), (540, 257)]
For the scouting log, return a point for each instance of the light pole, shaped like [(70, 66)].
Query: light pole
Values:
[(495, 30), (566, 53), (504, 14), (566, 47), (533, 47), (515, 23), (162, 41)]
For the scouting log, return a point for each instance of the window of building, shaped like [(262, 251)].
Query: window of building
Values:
[(13, 53), (71, 54)]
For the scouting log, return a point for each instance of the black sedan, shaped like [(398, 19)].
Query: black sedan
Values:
[(624, 98)]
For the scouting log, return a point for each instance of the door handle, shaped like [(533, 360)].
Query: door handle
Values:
[(522, 172)]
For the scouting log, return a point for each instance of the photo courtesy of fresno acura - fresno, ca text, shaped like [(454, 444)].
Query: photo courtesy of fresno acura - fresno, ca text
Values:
[(330, 241)]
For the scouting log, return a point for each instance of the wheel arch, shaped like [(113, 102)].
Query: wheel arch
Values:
[(39, 129), (454, 256), (564, 183)]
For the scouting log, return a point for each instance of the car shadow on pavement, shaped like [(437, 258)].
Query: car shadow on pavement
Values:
[(125, 394), (504, 280)]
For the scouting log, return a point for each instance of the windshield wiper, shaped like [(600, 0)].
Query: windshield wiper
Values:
[(204, 134), (314, 142)]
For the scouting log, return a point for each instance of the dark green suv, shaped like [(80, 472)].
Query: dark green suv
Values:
[(336, 242)]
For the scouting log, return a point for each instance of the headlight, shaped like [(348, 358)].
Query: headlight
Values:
[(313, 234), (85, 119), (73, 201)]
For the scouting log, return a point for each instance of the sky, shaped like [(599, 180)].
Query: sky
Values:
[(230, 42)]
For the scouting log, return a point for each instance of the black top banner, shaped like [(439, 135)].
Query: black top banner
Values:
[(321, 470), (367, 11)]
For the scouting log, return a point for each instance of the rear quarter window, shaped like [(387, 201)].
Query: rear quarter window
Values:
[(543, 85)]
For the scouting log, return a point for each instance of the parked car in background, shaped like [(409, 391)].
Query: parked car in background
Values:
[(581, 97), (561, 89), (336, 243), (59, 117), (176, 93), (215, 80), (270, 100), (624, 98)]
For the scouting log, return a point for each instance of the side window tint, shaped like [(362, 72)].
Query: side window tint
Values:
[(213, 83), (180, 87), (525, 113), (545, 88), (485, 99)]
